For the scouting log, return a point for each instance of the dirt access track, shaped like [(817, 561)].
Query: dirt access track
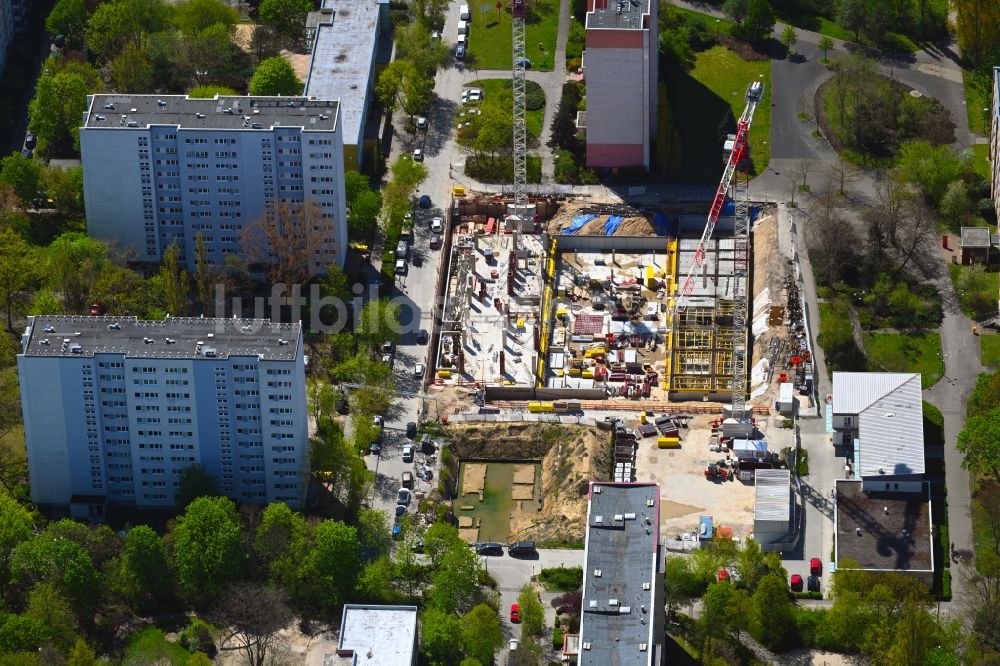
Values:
[(571, 457)]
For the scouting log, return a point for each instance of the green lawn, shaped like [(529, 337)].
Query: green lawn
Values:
[(491, 87), (980, 303), (490, 37), (820, 24), (836, 337), (976, 100), (150, 647), (719, 79), (989, 350), (981, 159), (907, 352)]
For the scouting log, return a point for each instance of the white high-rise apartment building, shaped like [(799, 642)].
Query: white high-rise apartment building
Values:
[(116, 408), (159, 170)]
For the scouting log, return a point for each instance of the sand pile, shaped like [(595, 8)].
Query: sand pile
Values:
[(630, 226), (473, 479)]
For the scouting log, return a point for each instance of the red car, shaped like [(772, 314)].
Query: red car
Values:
[(815, 566), (515, 612), (796, 583), (722, 575)]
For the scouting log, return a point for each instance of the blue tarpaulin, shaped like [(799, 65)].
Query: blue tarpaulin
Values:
[(663, 226), (577, 224), (729, 208), (611, 226)]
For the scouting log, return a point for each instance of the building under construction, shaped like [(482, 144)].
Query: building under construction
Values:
[(700, 344)]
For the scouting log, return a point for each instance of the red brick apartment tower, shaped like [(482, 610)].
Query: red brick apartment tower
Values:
[(620, 64)]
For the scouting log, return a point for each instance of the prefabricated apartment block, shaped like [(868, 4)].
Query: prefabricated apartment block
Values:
[(116, 408), (620, 65)]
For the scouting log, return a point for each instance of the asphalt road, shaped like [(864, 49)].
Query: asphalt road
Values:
[(511, 574)]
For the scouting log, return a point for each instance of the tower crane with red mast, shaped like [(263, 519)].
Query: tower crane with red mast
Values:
[(741, 272)]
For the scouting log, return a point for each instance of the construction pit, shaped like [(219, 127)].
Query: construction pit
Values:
[(526, 481), (582, 303)]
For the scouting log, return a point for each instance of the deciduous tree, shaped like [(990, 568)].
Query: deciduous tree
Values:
[(329, 571), (176, 285), (193, 16), (286, 17), (759, 20), (144, 567), (48, 606), (15, 528), (736, 10), (979, 443), (22, 174), (825, 44), (68, 18), (481, 636), (291, 241), (532, 613), (207, 548), (281, 542), (442, 636), (254, 617), (16, 273), (275, 76), (773, 622)]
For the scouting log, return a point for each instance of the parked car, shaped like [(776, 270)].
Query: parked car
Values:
[(815, 566), (378, 421), (436, 241), (436, 225), (421, 123), (722, 575), (408, 453), (424, 201), (796, 583), (489, 548), (397, 531), (400, 268), (418, 545), (472, 95), (402, 248), (375, 449), (403, 497), (513, 645), (407, 479), (400, 512), (418, 155), (422, 336), (515, 612), (812, 583), (30, 141), (460, 52), (411, 430), (522, 549), (426, 443), (418, 261), (418, 370)]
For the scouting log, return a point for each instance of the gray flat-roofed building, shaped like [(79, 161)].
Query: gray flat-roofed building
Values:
[(116, 408), (884, 532), (880, 416), (622, 622), (979, 246), (160, 170), (346, 42), (378, 635)]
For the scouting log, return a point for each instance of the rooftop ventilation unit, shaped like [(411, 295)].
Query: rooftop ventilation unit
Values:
[(625, 610), (642, 647), (619, 517), (598, 520), (597, 573), (612, 602), (646, 586), (199, 115), (597, 489), (210, 351), (586, 646), (650, 502), (593, 603), (629, 516)]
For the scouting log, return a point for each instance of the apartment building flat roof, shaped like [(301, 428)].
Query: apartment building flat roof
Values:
[(619, 575), (617, 14), (883, 531), (223, 113), (342, 56), (173, 337)]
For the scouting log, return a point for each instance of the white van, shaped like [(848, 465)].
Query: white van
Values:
[(463, 12), (463, 27), (462, 41)]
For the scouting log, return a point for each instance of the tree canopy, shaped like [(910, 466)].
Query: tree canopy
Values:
[(275, 76)]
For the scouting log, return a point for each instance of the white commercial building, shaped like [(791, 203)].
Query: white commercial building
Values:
[(377, 636), (160, 170), (116, 408), (772, 510), (879, 415)]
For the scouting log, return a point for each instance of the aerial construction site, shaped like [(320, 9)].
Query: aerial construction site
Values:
[(560, 311)]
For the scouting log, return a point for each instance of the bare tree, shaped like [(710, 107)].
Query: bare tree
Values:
[(802, 169), (843, 173), (293, 241), (833, 247), (252, 616), (912, 238)]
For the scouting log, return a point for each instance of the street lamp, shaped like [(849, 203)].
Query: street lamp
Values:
[(717, 22)]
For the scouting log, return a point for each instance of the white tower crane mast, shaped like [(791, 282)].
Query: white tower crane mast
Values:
[(754, 95)]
